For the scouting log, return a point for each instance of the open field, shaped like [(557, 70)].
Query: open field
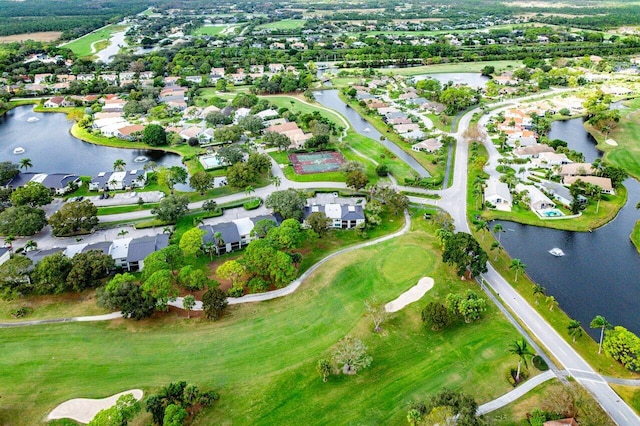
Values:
[(39, 36), (286, 24), (82, 46), (262, 357), (452, 67), (212, 30)]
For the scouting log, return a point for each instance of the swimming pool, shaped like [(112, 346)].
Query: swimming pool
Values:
[(210, 161), (551, 213)]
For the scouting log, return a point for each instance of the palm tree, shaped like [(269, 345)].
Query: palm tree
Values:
[(151, 165), (167, 230), (518, 266), (520, 348), (276, 181), (551, 302), (30, 245), (575, 330), (25, 164), (482, 226), (538, 290), (119, 165), (249, 190), (219, 242), (497, 247), (210, 248), (600, 322), (122, 233), (498, 229)]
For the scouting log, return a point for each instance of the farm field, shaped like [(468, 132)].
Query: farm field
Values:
[(82, 46), (262, 357), (39, 36)]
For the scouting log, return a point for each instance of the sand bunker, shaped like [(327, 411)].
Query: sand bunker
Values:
[(413, 294), (83, 410), (611, 142)]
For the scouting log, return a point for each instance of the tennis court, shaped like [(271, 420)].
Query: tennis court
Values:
[(317, 162)]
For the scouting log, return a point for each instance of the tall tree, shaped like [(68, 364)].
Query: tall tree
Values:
[(464, 251), (377, 312), (324, 368), (188, 302), (214, 302), (520, 348), (498, 230), (74, 218), (33, 194), (119, 165), (191, 241), (350, 355), (600, 322), (575, 329), (538, 291), (26, 164), (289, 203), (518, 266)]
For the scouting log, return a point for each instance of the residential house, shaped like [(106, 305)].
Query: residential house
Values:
[(537, 199), (129, 132), (497, 193), (560, 193), (532, 151), (406, 128), (602, 182), (550, 160), (427, 145), (55, 102), (576, 169), (140, 248), (5, 254), (58, 183), (127, 179), (343, 216)]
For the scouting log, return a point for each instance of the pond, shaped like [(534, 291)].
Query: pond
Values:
[(474, 80), (51, 148), (116, 42), (599, 273)]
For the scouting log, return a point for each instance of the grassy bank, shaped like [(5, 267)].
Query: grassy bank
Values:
[(262, 357), (82, 46), (375, 120)]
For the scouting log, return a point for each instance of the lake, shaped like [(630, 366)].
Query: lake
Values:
[(52, 149), (599, 273)]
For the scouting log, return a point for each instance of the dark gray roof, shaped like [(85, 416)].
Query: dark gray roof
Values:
[(228, 231), (356, 214), (398, 114), (59, 180), (103, 246), (139, 248), (3, 250), (37, 255)]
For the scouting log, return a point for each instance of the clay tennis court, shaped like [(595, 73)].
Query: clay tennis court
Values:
[(317, 162)]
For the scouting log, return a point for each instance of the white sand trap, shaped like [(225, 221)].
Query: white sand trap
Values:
[(611, 142), (83, 410), (415, 293)]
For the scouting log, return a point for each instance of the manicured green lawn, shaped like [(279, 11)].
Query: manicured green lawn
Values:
[(262, 357), (82, 46), (286, 24), (375, 150), (635, 235), (454, 67), (212, 30), (627, 136)]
